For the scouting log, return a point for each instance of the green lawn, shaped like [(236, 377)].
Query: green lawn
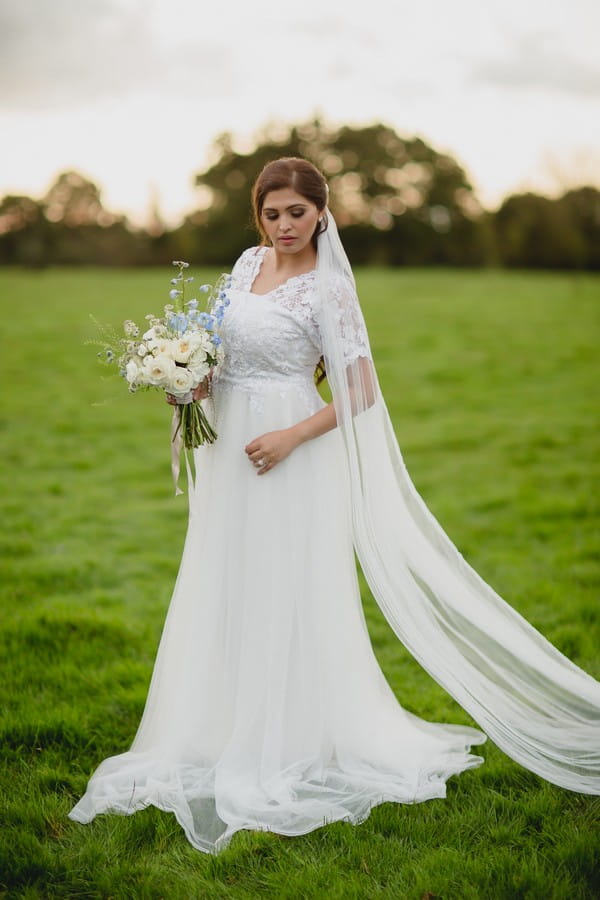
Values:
[(491, 379)]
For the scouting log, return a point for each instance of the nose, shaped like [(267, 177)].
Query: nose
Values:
[(284, 224)]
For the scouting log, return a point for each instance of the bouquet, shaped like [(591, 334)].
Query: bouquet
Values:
[(176, 353)]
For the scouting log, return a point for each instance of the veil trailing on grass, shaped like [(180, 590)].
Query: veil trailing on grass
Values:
[(532, 701)]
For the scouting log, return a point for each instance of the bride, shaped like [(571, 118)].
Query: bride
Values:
[(267, 708)]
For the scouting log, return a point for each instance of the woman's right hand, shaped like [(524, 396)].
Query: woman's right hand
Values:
[(202, 391)]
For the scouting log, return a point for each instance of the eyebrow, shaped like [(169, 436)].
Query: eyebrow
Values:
[(291, 206)]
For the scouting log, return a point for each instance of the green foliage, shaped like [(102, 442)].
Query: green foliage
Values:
[(491, 382), (398, 201), (69, 226), (551, 234)]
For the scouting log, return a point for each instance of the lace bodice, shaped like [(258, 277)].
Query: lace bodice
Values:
[(274, 338)]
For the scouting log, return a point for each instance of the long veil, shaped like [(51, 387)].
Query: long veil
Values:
[(532, 701)]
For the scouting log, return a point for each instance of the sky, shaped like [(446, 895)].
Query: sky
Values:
[(132, 93)]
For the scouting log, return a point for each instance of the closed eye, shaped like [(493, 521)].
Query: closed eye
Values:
[(272, 214)]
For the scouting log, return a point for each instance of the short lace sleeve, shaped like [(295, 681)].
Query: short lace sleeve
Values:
[(350, 324), (245, 269)]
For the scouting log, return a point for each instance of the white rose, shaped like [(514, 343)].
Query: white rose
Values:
[(162, 347), (206, 342), (183, 349), (181, 382), (158, 370), (197, 356), (199, 372), (149, 335), (195, 338), (132, 371)]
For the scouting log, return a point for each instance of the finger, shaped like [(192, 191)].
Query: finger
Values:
[(255, 444), (259, 459), (201, 390)]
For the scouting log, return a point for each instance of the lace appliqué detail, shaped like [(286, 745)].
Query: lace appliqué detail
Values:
[(246, 268), (258, 398), (298, 295), (271, 341), (351, 330)]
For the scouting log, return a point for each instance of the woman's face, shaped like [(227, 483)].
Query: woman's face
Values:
[(289, 220)]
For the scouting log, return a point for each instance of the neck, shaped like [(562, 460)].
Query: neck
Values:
[(303, 261)]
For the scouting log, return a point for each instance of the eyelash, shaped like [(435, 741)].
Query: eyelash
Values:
[(297, 214)]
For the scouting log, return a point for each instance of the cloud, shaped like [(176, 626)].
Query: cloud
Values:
[(71, 52), (537, 62), (330, 29)]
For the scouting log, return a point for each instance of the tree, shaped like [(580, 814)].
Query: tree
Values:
[(74, 201), (397, 199), (24, 231), (582, 208), (536, 231)]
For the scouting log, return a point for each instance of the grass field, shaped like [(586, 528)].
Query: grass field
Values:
[(491, 380)]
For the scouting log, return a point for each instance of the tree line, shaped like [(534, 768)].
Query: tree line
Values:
[(397, 201)]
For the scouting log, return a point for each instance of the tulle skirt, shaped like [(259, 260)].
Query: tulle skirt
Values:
[(267, 708)]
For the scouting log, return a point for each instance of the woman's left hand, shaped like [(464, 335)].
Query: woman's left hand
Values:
[(266, 451)]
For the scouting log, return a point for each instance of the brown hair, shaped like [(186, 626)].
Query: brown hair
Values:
[(290, 172)]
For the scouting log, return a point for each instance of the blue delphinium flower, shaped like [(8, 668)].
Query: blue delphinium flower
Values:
[(216, 340), (178, 322), (207, 321)]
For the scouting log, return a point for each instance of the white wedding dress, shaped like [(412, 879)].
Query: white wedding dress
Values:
[(267, 708)]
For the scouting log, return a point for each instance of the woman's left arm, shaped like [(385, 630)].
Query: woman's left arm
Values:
[(271, 448)]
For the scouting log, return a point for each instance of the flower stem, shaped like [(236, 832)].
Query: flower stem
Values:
[(195, 428)]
